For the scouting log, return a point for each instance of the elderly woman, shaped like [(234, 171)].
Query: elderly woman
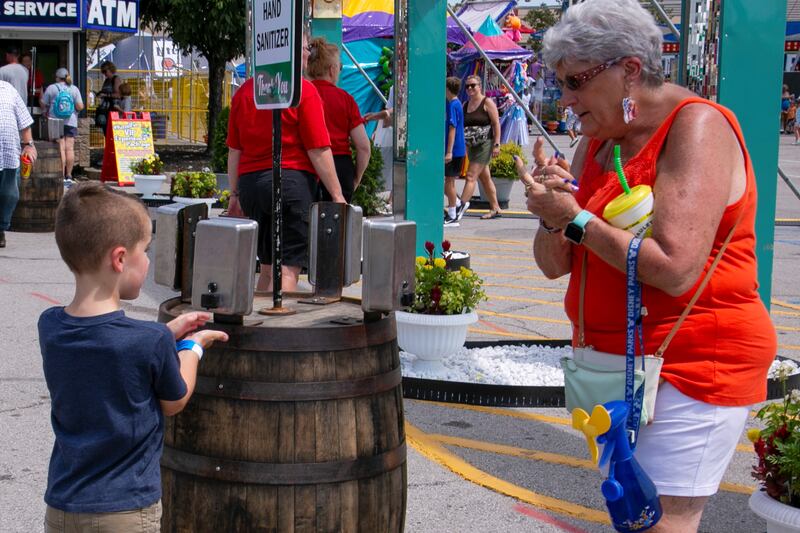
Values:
[(342, 117), (306, 159), (607, 58)]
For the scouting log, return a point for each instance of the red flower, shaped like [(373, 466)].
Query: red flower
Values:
[(436, 294), (446, 246), (430, 247)]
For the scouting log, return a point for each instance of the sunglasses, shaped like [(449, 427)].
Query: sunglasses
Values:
[(471, 85), (574, 82)]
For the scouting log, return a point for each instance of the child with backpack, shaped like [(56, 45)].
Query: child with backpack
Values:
[(62, 100)]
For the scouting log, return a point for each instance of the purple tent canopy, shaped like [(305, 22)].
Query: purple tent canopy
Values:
[(374, 24), (495, 46)]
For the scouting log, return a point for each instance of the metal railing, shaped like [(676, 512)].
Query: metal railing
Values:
[(178, 104)]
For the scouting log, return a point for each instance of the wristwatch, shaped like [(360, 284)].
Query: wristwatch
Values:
[(576, 230), (28, 143)]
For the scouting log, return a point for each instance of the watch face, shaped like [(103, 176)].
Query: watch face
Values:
[(574, 233)]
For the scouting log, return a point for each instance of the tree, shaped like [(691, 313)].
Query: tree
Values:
[(540, 19), (214, 28)]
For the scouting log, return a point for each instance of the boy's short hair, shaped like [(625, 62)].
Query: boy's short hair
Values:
[(92, 219), (453, 84), (125, 89)]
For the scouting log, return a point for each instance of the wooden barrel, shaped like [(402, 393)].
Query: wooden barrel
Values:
[(39, 195), (295, 424)]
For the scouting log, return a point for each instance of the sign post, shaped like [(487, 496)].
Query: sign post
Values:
[(277, 36)]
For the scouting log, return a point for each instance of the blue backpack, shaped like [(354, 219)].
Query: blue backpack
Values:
[(63, 105)]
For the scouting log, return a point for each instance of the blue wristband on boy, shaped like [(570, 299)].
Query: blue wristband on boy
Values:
[(190, 345)]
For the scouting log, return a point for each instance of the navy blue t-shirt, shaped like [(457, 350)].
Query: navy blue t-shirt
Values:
[(106, 375), (455, 118)]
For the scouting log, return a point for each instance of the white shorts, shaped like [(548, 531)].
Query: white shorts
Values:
[(687, 448)]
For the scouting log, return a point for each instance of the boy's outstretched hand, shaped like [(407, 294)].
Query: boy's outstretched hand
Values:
[(187, 322), (206, 337)]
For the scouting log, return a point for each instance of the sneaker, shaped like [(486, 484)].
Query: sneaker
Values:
[(460, 210), (450, 221), (2, 239), (574, 141)]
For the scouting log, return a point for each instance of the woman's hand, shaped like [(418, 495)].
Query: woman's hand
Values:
[(187, 323), (549, 194), (495, 150)]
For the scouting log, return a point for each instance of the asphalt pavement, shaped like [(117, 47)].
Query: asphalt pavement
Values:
[(469, 469)]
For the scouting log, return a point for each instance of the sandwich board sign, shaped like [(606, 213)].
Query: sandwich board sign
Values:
[(276, 54)]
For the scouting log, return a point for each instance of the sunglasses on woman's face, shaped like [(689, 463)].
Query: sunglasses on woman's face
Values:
[(574, 82), (471, 85)]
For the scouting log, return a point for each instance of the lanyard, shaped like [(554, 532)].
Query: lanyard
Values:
[(634, 330)]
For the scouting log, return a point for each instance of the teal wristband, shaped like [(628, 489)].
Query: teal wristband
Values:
[(187, 344), (582, 218)]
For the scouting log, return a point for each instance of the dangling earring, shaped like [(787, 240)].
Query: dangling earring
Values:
[(629, 109)]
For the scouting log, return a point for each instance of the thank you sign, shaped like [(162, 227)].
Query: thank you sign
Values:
[(276, 53)]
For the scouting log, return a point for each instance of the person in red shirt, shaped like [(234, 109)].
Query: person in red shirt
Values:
[(306, 159), (342, 117)]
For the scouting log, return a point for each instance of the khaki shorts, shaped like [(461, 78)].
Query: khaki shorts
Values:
[(147, 520)]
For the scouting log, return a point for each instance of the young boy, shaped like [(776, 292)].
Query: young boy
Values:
[(455, 149), (111, 378)]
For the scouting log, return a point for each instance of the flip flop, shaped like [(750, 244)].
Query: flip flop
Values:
[(491, 214)]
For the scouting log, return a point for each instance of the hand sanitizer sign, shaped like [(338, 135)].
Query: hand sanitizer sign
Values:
[(276, 53)]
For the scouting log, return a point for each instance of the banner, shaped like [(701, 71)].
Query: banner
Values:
[(41, 13)]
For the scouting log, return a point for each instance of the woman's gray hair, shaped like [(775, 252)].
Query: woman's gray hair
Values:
[(597, 31)]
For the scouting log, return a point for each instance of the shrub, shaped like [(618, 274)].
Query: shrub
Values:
[(197, 184), (502, 166), (366, 196), (219, 148)]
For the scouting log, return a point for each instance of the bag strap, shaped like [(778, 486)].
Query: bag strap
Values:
[(686, 311), (700, 288)]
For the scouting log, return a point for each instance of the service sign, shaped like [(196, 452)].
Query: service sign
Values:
[(276, 54), (112, 15), (41, 13)]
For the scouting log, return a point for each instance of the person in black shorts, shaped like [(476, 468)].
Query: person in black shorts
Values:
[(455, 149)]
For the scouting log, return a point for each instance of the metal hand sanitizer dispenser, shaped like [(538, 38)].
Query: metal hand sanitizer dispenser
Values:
[(388, 269), (224, 262)]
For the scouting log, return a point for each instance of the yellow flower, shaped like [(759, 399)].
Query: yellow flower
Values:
[(428, 267), (439, 262), (753, 434), (420, 260), (465, 271)]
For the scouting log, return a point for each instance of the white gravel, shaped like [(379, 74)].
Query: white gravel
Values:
[(498, 365)]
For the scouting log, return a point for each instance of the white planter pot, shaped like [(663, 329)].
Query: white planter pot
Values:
[(503, 188), (781, 518), (184, 200), (148, 185), (432, 337)]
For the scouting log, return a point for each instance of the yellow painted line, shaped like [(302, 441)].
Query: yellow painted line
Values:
[(513, 451), (787, 305), (524, 287), (473, 264), (789, 346), (486, 239), (528, 300), (527, 258), (787, 220), (784, 313), (547, 457), (505, 334), (518, 276), (525, 317), (511, 413), (779, 328), (438, 453)]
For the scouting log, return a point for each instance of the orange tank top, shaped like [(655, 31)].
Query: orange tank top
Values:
[(723, 350)]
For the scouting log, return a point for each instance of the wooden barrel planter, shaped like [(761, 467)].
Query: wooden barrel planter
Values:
[(296, 424), (40, 194)]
